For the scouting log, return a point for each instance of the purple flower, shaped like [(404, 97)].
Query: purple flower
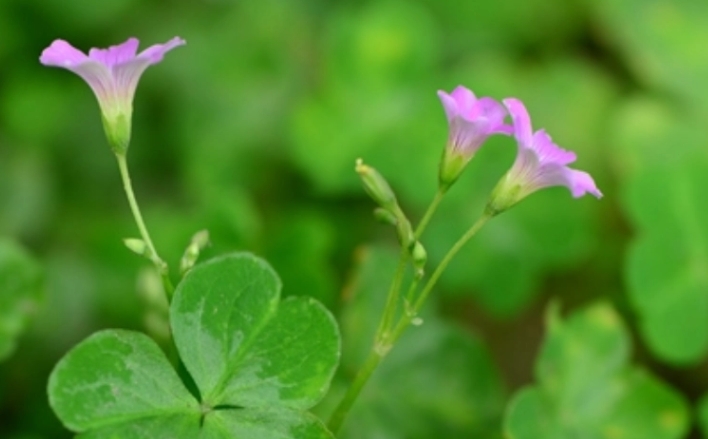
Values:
[(113, 76), (539, 163), (471, 121)]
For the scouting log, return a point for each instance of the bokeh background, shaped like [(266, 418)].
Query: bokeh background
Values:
[(251, 131)]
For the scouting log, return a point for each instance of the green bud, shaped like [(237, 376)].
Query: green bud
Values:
[(376, 186), (137, 246), (199, 241), (405, 232), (420, 258), (385, 216)]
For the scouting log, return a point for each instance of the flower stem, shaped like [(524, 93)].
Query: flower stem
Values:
[(154, 257), (406, 319), (429, 213), (340, 413), (392, 299), (382, 340)]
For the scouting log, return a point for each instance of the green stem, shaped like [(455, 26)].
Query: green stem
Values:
[(448, 258), (394, 291), (429, 213), (392, 298), (154, 257), (340, 413), (406, 319), (382, 339)]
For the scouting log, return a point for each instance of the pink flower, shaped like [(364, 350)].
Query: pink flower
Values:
[(471, 121), (540, 163), (113, 75)]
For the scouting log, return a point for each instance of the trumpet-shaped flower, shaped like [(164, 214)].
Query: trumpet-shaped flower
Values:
[(539, 163), (471, 121), (113, 75)]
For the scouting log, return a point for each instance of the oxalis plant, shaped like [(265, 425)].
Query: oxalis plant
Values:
[(240, 362)]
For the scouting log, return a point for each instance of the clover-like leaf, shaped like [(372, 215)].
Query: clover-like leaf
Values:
[(258, 364), (586, 388), (664, 197), (116, 377), (20, 288)]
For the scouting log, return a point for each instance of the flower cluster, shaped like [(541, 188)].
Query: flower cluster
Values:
[(539, 163)]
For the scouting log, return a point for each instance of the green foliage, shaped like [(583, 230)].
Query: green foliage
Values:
[(258, 364), (665, 199), (21, 285), (587, 388), (659, 41)]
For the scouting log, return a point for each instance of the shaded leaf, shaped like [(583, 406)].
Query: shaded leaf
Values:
[(587, 388), (21, 284)]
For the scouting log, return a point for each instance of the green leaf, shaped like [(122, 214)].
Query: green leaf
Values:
[(438, 379), (258, 364), (665, 199), (266, 423), (21, 283), (114, 377), (586, 387), (241, 347), (657, 40), (160, 427)]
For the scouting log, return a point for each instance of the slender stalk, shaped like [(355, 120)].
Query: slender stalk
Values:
[(340, 413), (392, 298), (409, 295), (429, 213), (448, 258), (394, 292), (135, 209), (406, 319), (382, 341)]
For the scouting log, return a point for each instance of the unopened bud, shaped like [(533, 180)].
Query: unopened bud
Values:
[(406, 236), (199, 241), (385, 216), (376, 186), (137, 246), (419, 257)]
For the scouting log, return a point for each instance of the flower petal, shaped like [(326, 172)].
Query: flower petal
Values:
[(155, 52), (115, 55), (449, 105), (522, 122), (581, 183), (464, 97), (62, 54), (549, 152), (494, 113)]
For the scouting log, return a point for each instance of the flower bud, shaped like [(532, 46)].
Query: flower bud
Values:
[(199, 241), (376, 186), (137, 246), (406, 236), (420, 258), (385, 216)]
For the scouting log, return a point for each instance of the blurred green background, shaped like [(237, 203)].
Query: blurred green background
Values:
[(251, 131)]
